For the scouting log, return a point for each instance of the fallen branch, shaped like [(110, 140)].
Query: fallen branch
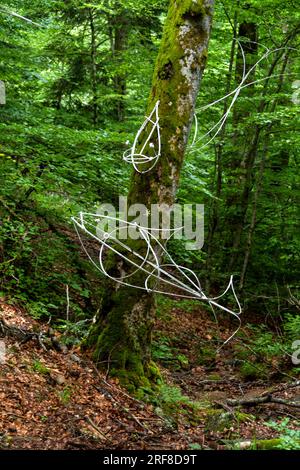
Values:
[(20, 334), (262, 400), (282, 388), (23, 336)]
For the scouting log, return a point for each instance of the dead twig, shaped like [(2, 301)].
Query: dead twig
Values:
[(94, 426)]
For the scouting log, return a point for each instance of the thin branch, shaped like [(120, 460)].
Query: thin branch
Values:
[(283, 388), (68, 302), (91, 423), (262, 400)]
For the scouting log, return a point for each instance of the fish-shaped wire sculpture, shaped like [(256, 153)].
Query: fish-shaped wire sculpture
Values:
[(159, 276), (168, 273)]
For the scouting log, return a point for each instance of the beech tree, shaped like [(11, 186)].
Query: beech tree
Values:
[(121, 334)]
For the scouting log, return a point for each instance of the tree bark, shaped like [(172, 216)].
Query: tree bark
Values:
[(93, 67), (218, 183), (122, 332), (247, 35), (119, 79)]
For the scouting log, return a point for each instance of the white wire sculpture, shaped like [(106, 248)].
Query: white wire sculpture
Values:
[(136, 154), (236, 92), (182, 282), (164, 275)]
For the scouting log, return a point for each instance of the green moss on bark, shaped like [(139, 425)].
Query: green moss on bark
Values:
[(178, 71), (121, 338)]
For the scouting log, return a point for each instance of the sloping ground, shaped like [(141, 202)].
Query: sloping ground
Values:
[(51, 400), (54, 399), (212, 376)]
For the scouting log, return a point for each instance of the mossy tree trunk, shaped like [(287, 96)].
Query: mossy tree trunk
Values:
[(121, 335)]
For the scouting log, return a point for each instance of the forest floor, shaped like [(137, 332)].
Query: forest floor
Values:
[(56, 399)]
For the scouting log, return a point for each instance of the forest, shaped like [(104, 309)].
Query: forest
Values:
[(149, 225)]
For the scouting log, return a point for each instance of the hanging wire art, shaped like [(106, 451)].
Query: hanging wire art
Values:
[(168, 278), (216, 129), (146, 148)]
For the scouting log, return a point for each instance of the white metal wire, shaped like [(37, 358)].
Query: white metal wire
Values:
[(136, 156), (184, 280), (235, 93)]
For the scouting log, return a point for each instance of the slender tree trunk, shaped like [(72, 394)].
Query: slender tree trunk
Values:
[(260, 179), (247, 36), (122, 332), (121, 35), (245, 179), (93, 67), (244, 173), (118, 39), (214, 208), (254, 216)]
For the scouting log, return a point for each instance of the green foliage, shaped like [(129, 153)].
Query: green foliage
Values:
[(261, 351), (166, 353), (207, 355), (165, 304), (73, 333), (292, 326), (264, 343), (65, 395), (76, 92), (250, 371), (195, 446), (54, 161), (39, 310), (40, 368), (219, 420), (289, 437), (163, 307), (173, 405), (37, 263)]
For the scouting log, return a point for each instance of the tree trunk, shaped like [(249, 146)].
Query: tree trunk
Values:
[(213, 218), (245, 171), (93, 68), (120, 77), (121, 335), (247, 35), (254, 214), (260, 178), (118, 40)]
